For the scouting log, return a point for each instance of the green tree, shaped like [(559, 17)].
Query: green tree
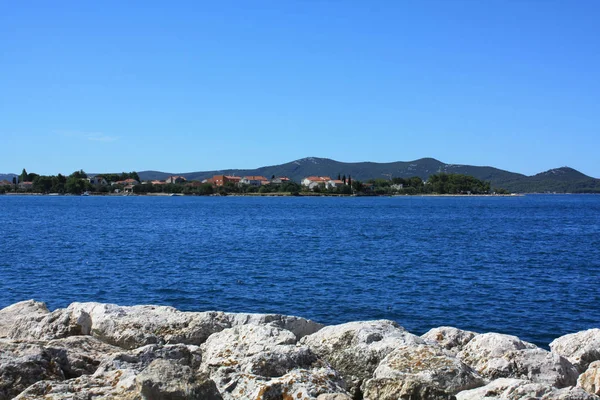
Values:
[(75, 185), (358, 186), (23, 176), (79, 174), (42, 184)]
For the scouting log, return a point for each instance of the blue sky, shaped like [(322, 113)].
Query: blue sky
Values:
[(189, 86)]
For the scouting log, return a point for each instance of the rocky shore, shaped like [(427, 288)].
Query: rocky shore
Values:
[(97, 351)]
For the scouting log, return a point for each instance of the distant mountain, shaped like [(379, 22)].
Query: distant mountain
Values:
[(7, 177), (559, 180)]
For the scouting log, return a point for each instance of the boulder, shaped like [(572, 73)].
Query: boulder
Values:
[(263, 362), (429, 366), (355, 349), (519, 389), (167, 379), (451, 339), (590, 379), (79, 355), (130, 327), (300, 327), (23, 364), (581, 348), (334, 396), (29, 309), (131, 375), (58, 324), (408, 388), (495, 356), (113, 385)]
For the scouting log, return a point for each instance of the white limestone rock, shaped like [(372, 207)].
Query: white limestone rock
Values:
[(133, 326), (519, 389), (166, 379), (263, 362), (495, 356), (581, 348), (431, 366), (24, 310), (450, 338), (300, 327), (23, 364), (590, 379), (355, 349), (133, 374)]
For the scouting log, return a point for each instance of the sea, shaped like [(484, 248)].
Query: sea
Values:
[(523, 265)]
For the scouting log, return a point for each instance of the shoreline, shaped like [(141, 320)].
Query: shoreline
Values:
[(281, 194), (150, 351)]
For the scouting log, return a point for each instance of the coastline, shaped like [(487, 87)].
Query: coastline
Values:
[(276, 194), (147, 351)]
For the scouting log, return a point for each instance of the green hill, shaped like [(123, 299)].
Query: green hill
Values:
[(561, 180)]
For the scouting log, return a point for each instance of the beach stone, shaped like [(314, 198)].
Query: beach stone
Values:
[(264, 362), (450, 338), (23, 364), (581, 348), (355, 349), (590, 379), (495, 356), (519, 389), (428, 370)]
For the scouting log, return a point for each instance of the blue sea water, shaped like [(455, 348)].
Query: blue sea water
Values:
[(527, 266)]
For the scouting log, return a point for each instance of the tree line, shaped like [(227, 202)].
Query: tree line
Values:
[(77, 183)]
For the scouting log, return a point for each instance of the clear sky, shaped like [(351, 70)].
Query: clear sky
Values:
[(188, 86)]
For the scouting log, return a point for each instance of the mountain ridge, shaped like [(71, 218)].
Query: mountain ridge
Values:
[(560, 180), (563, 179)]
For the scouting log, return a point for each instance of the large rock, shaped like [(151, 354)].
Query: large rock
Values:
[(495, 356), (23, 364), (519, 389), (263, 362), (79, 355), (426, 369), (166, 379), (581, 348), (28, 310), (134, 375), (409, 389), (58, 324), (451, 339), (133, 326), (355, 349), (590, 379)]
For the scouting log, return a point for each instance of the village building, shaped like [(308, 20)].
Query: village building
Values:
[(280, 180), (127, 182), (254, 180), (313, 181), (97, 180), (220, 180)]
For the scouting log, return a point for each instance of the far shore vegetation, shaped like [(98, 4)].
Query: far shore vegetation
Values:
[(130, 183)]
